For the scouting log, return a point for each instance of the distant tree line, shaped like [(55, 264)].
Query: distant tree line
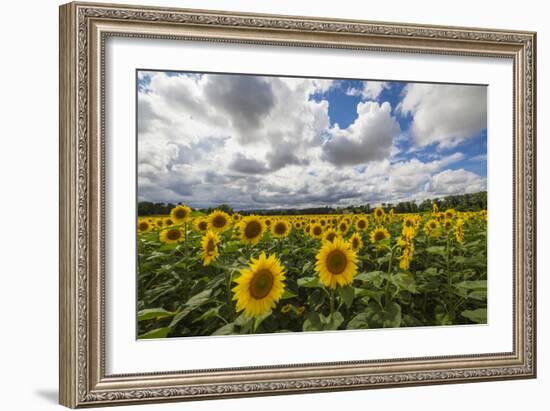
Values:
[(461, 202)]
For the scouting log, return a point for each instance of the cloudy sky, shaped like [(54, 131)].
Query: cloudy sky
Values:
[(258, 142)]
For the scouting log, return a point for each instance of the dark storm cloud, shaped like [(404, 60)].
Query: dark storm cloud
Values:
[(246, 99), (246, 165)]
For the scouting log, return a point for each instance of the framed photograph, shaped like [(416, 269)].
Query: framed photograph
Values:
[(259, 204)]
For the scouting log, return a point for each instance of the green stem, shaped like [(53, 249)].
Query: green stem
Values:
[(387, 289), (449, 279), (331, 302)]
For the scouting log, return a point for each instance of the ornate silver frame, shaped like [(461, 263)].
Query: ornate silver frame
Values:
[(83, 30)]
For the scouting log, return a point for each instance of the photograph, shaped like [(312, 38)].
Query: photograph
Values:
[(279, 204)]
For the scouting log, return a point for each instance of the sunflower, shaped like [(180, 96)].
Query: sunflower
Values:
[(218, 220), (407, 250), (323, 222), (267, 222), (172, 235), (144, 226), (450, 213), (236, 217), (201, 224), (336, 263), (159, 222), (180, 214), (459, 231), (409, 227), (330, 235), (362, 223), (316, 230), (379, 214), (260, 286), (251, 229), (435, 208), (448, 224), (356, 242), (431, 228), (343, 227), (379, 234), (280, 228), (209, 245), (168, 222)]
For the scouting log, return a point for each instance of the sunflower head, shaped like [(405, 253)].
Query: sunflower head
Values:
[(236, 217), (201, 224), (431, 228), (280, 228), (209, 244), (316, 230), (180, 214), (267, 222), (459, 230), (251, 229), (336, 263), (379, 234), (361, 223), (450, 213), (343, 227), (356, 242), (260, 286), (379, 213), (218, 220), (168, 222), (144, 226), (171, 235), (330, 235)]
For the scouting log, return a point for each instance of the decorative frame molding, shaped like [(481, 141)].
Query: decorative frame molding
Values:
[(83, 30)]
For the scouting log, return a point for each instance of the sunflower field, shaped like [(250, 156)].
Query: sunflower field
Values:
[(221, 273)]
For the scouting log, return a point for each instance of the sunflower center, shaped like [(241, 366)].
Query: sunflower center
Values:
[(432, 225), (280, 228), (361, 224), (173, 235), (180, 213), (219, 221), (379, 213), (143, 226), (336, 262), (210, 246), (203, 225), (169, 222), (261, 284), (330, 236), (355, 243), (317, 230), (379, 235), (253, 229), (343, 227), (408, 223)]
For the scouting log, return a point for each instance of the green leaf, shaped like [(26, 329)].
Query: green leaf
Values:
[(373, 277), (441, 316), (154, 313), (312, 322), (259, 320), (473, 285), (309, 282), (478, 295), (384, 317), (332, 321), (436, 249), (404, 282), (346, 294), (199, 298), (478, 316), (213, 312), (358, 322), (287, 294), (431, 271), (227, 329), (156, 333)]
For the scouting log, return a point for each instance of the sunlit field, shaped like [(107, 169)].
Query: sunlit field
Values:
[(226, 273)]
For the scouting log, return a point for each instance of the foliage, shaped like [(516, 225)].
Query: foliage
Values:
[(419, 276)]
